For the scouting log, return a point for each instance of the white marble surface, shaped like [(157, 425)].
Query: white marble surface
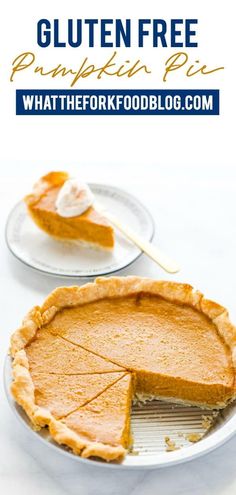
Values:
[(194, 210)]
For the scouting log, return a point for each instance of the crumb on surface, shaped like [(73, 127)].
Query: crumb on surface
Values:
[(207, 421), (170, 445), (193, 437)]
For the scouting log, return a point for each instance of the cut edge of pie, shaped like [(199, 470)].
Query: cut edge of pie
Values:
[(67, 297), (90, 228)]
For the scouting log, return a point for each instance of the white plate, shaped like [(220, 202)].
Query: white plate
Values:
[(151, 423), (41, 252)]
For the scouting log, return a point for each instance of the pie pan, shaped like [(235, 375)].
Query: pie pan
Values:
[(153, 423)]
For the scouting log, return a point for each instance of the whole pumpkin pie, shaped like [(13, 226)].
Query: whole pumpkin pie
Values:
[(80, 358), (89, 227)]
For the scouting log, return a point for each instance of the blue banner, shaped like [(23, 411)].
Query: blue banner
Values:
[(117, 102)]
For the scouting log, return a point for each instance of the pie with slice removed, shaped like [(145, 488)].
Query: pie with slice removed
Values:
[(90, 227), (80, 358)]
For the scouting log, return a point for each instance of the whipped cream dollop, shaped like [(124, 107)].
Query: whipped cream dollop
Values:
[(74, 198)]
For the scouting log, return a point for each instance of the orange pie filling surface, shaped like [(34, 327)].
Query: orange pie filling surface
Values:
[(79, 371), (174, 350)]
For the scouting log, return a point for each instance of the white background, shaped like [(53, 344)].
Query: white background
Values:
[(182, 168)]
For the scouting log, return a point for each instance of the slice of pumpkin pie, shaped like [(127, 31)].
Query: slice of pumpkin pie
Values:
[(63, 209), (102, 426)]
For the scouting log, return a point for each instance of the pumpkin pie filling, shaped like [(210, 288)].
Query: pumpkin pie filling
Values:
[(111, 407), (156, 339), (63, 394), (49, 353), (81, 358)]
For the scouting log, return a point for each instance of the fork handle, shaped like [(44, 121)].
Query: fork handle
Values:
[(149, 249)]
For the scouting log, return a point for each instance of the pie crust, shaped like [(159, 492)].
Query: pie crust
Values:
[(104, 288)]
